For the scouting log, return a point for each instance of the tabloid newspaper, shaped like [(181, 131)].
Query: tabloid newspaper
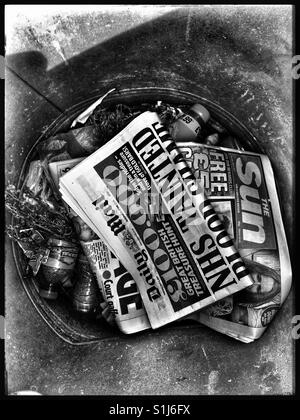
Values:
[(242, 191), (124, 302), (139, 196)]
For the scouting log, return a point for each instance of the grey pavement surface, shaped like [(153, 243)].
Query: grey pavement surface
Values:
[(239, 57)]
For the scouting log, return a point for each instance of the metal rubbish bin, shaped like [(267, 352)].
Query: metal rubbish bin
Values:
[(64, 321)]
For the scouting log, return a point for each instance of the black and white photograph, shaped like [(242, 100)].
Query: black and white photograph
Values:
[(149, 200)]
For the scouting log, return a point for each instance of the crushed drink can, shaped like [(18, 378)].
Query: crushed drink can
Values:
[(58, 266), (86, 294)]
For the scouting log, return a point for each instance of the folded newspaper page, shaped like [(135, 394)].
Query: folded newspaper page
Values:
[(138, 194), (118, 287), (124, 303), (242, 191)]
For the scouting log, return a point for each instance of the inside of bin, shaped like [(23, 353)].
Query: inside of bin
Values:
[(68, 324)]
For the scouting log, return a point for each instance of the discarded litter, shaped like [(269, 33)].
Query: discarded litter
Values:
[(168, 222)]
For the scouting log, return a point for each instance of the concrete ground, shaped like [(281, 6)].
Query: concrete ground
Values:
[(239, 57)]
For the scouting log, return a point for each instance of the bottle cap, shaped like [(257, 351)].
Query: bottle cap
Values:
[(201, 111), (82, 259)]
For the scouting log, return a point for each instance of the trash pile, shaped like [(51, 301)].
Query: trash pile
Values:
[(196, 236)]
